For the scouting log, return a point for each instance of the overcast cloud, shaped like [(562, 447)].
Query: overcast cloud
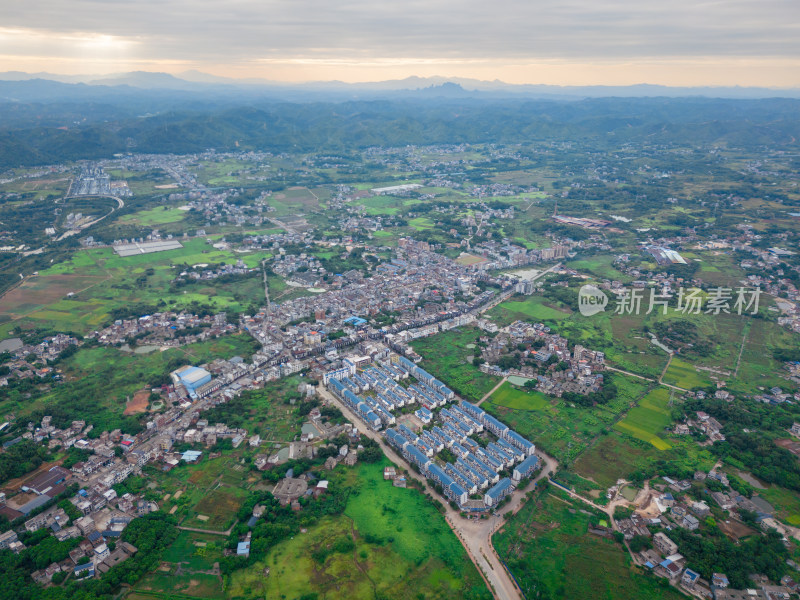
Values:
[(260, 33)]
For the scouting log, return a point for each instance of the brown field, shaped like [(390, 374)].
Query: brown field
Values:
[(469, 259), (137, 404), (791, 445), (735, 529), (36, 292)]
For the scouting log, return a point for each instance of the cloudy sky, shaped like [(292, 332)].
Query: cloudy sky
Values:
[(567, 42)]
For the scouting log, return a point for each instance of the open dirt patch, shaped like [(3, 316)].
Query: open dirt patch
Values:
[(137, 404), (791, 445), (734, 529)]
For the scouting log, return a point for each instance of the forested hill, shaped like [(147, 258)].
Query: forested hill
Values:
[(355, 124)]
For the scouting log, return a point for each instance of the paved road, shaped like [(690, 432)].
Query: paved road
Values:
[(475, 534)]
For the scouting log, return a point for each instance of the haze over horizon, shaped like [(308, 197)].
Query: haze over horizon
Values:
[(573, 43)]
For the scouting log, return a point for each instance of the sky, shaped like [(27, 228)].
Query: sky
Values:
[(560, 42)]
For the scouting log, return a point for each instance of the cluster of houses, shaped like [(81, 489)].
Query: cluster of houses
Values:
[(540, 346), (705, 423), (33, 360), (199, 273), (374, 393), (669, 507), (104, 516), (665, 561), (165, 329)]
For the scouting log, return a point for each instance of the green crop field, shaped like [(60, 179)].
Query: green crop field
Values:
[(684, 375), (613, 457), (397, 546), (600, 266), (420, 223), (551, 554), (785, 502), (559, 428), (101, 281), (648, 420), (166, 584)]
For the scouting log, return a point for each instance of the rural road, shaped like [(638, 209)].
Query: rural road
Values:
[(491, 391), (209, 531), (475, 534)]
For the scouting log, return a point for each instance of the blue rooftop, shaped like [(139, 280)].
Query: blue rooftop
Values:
[(498, 488)]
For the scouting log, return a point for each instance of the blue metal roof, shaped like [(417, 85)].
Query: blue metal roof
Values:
[(417, 456), (498, 488), (528, 463), (517, 437)]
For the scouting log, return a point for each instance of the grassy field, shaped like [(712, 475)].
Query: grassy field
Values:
[(601, 266), (396, 545), (530, 308), (219, 505), (559, 428), (551, 554), (420, 223), (617, 455), (153, 217), (648, 420), (612, 457), (513, 397), (445, 356), (684, 375), (785, 502), (168, 584)]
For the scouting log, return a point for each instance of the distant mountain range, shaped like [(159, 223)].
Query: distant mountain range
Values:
[(199, 82), (46, 119)]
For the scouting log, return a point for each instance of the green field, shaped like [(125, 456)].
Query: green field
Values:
[(559, 428), (684, 375), (153, 216), (530, 308), (445, 356), (617, 455), (421, 223), (102, 281), (168, 584), (513, 397), (601, 266), (394, 542), (219, 505), (551, 554), (613, 456), (648, 420), (785, 502)]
